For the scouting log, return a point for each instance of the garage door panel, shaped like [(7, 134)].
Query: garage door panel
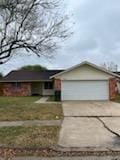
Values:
[(85, 90)]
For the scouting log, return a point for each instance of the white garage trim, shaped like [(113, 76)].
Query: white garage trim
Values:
[(85, 90)]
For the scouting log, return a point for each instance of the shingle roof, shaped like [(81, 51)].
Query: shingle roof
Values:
[(30, 75)]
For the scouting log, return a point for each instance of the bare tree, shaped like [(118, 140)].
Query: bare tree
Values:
[(111, 66), (33, 25)]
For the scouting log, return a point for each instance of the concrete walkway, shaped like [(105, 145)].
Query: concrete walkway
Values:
[(42, 100), (30, 123)]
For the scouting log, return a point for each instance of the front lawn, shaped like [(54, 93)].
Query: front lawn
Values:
[(24, 108), (29, 136), (51, 98)]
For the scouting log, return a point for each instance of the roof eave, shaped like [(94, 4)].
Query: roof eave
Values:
[(9, 81), (87, 63)]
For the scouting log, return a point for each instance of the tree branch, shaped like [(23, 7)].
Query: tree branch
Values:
[(33, 25)]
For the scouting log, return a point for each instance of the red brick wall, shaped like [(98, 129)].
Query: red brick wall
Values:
[(1, 89), (57, 84), (112, 88), (23, 90)]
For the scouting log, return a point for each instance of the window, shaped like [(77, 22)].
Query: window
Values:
[(48, 85), (16, 84)]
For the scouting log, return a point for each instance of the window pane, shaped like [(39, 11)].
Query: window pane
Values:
[(45, 85), (48, 85), (16, 84)]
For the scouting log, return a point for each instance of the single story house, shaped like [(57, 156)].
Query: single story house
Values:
[(85, 81), (28, 83)]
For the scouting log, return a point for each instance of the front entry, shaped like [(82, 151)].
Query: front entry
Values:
[(36, 88)]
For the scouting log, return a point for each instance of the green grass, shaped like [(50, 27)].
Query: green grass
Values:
[(117, 99), (29, 136), (51, 98), (10, 101), (24, 108)]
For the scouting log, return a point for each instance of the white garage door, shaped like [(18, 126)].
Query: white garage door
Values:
[(85, 90)]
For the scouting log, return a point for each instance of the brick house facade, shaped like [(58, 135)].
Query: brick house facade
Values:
[(112, 88), (10, 89), (25, 88), (57, 84), (27, 83)]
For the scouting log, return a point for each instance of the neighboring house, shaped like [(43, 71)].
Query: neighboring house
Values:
[(118, 82), (27, 83), (85, 81)]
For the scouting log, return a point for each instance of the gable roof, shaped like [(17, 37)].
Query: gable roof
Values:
[(22, 76), (86, 63)]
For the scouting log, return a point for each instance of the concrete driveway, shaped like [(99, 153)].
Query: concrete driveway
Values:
[(90, 108), (93, 125)]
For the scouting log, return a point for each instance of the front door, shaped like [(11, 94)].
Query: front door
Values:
[(36, 88)]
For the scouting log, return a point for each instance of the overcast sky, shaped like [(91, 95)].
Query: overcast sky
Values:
[(96, 37)]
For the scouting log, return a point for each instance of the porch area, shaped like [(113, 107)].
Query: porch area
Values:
[(28, 88), (42, 88)]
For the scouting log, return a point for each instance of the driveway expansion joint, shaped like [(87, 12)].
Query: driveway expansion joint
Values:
[(91, 116)]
